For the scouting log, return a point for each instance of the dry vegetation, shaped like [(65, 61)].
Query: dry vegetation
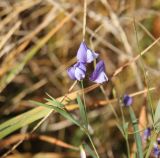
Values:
[(38, 42)]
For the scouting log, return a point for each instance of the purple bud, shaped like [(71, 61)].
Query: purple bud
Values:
[(85, 55), (147, 133), (156, 151), (127, 100), (77, 71), (98, 75)]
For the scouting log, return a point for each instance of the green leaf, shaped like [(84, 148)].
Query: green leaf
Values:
[(89, 150), (63, 112), (42, 104), (82, 112), (54, 101), (22, 120), (67, 115)]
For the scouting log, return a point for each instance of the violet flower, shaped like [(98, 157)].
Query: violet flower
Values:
[(98, 75), (127, 100), (85, 55), (77, 71), (147, 133), (158, 141), (156, 151)]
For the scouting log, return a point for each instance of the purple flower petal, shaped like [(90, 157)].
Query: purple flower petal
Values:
[(77, 71), (99, 76), (82, 53), (147, 133), (85, 55), (156, 151), (71, 73), (79, 74), (91, 56), (80, 65)]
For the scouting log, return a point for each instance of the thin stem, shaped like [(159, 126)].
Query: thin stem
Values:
[(128, 149), (144, 72), (111, 106), (125, 133), (90, 139), (122, 114), (84, 101), (86, 129), (84, 18)]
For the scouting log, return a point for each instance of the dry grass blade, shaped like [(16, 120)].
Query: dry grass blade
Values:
[(8, 35), (15, 138)]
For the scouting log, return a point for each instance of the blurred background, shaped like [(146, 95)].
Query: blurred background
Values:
[(39, 40)]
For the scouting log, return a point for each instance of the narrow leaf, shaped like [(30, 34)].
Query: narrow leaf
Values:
[(22, 120), (82, 112), (42, 104), (60, 111), (54, 101), (89, 150)]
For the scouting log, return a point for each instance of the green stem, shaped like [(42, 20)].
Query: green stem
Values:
[(125, 133), (136, 133), (128, 149), (84, 102), (90, 139), (86, 129), (111, 106), (149, 98)]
